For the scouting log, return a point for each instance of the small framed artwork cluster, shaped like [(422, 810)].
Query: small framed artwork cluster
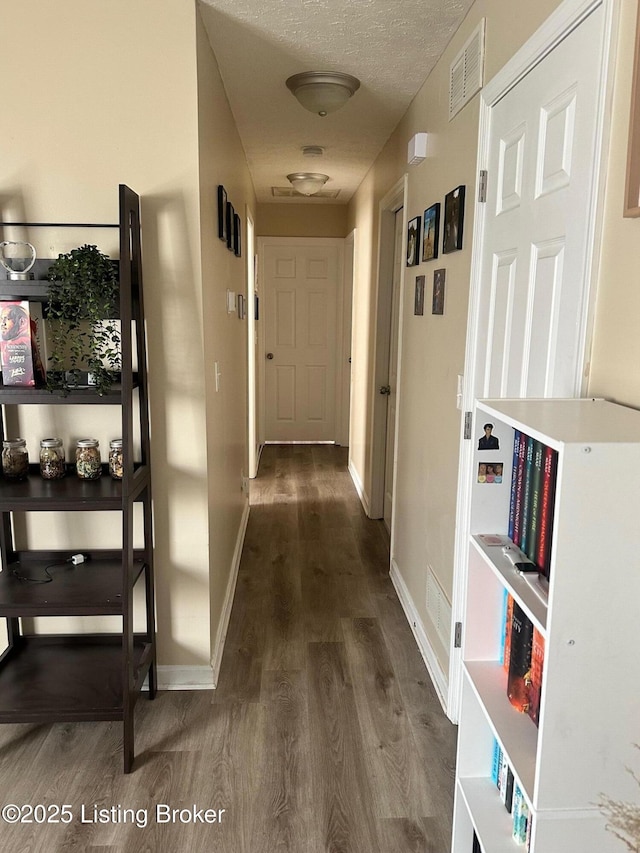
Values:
[(229, 224), (427, 248)]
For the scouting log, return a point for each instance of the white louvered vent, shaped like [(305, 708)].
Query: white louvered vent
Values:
[(289, 192), (467, 69), (438, 608)]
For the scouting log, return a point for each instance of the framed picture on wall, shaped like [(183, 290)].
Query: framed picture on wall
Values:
[(418, 301), (413, 242), (431, 232), (237, 236), (222, 213), (230, 218), (453, 220), (437, 302)]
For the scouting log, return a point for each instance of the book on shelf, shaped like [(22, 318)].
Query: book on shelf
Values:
[(19, 354), (520, 814), (506, 633), (514, 480), (476, 844), (519, 489), (519, 676), (527, 484), (547, 502), (537, 665), (506, 795), (496, 763), (530, 545)]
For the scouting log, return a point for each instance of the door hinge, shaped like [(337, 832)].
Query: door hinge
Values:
[(482, 186), (457, 639), (467, 426)]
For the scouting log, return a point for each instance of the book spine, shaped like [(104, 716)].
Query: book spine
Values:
[(476, 844), (514, 479), (517, 522), (519, 678), (507, 633), (508, 794), (547, 499), (496, 763), (520, 814), (504, 772), (537, 665), (534, 516), (527, 484)]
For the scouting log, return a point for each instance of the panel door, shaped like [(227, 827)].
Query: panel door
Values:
[(534, 275), (301, 284)]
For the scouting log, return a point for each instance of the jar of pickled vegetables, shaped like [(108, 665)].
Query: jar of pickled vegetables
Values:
[(88, 461)]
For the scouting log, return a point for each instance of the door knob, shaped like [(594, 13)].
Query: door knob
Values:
[(385, 390), (269, 355)]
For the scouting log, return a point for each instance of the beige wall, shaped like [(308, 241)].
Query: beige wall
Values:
[(108, 95), (433, 346), (301, 220), (221, 161)]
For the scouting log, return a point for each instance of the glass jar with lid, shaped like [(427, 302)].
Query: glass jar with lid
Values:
[(52, 465), (15, 459), (88, 461), (115, 458)]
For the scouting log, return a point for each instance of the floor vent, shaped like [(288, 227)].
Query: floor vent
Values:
[(438, 608), (467, 71)]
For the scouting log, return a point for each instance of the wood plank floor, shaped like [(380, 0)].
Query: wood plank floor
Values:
[(324, 736)]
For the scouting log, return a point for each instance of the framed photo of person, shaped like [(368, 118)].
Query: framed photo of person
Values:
[(431, 232), (453, 220), (230, 218), (413, 242), (437, 302), (418, 301), (222, 213), (237, 236)]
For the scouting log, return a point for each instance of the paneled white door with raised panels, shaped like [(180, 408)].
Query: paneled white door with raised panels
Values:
[(535, 252), (302, 285)]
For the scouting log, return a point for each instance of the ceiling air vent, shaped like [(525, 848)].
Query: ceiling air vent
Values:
[(467, 69), (289, 192)]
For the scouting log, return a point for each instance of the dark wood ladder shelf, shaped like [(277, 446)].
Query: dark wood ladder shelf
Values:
[(79, 676)]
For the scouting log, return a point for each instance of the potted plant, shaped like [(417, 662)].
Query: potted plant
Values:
[(83, 296)]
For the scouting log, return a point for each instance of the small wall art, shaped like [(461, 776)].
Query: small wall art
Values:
[(413, 242), (431, 232), (437, 303), (418, 304), (222, 213), (237, 236), (230, 218), (453, 220)]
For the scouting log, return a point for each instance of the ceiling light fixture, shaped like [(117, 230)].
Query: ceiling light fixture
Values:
[(307, 183), (323, 92)]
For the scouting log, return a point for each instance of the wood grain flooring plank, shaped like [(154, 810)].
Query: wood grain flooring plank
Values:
[(320, 603), (342, 796), (389, 750), (409, 836)]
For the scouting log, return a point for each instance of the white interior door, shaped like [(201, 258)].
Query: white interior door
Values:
[(303, 302), (392, 386), (529, 307)]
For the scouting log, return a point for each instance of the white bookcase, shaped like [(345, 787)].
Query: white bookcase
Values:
[(590, 707)]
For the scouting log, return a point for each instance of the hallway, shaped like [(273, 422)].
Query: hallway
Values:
[(353, 753), (324, 735)]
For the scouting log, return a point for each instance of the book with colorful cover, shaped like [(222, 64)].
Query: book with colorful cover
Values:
[(519, 677), (517, 520), (534, 515), (537, 666), (508, 618), (525, 524), (547, 501), (496, 763), (520, 814), (19, 355), (514, 479)]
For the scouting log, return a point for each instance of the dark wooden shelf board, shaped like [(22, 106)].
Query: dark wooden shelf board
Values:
[(62, 678), (68, 494), (94, 588), (14, 395)]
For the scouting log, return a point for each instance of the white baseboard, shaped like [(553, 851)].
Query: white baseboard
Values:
[(221, 634), (438, 677), (185, 678), (357, 482)]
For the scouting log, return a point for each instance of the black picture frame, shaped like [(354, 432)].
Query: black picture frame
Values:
[(431, 232), (230, 222), (222, 213), (237, 236), (413, 241), (437, 299), (453, 220), (418, 300)]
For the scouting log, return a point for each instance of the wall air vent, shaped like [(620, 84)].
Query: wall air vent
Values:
[(467, 70), (289, 192)]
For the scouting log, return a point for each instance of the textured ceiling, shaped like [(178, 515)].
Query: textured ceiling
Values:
[(389, 46)]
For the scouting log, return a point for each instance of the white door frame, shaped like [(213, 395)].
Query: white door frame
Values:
[(252, 415), (343, 378), (563, 21), (344, 345), (395, 199)]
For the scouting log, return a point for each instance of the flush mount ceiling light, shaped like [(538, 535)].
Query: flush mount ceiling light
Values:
[(323, 92), (307, 183)]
